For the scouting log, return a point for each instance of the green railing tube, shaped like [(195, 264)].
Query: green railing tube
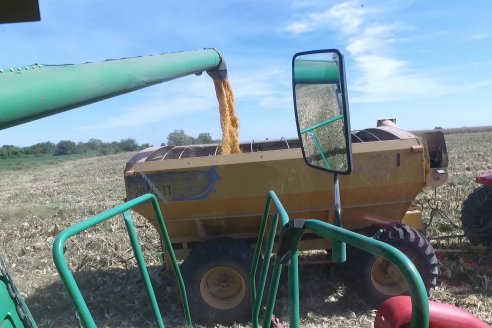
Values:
[(174, 262), (338, 235), (311, 132), (316, 72), (272, 293), (66, 274), (320, 150), (256, 258), (264, 270), (293, 281), (36, 91), (418, 292), (257, 299), (338, 251), (137, 251), (314, 127)]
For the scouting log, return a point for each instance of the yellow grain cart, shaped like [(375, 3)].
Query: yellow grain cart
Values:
[(213, 204), (206, 195)]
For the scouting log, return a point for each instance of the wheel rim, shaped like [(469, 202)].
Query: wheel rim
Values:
[(223, 288), (386, 278)]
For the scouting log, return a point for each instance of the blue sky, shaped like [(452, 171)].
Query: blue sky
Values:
[(425, 63)]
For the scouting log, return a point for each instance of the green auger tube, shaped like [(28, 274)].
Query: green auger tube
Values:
[(35, 91)]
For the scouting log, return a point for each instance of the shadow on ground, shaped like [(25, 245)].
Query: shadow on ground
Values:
[(117, 298)]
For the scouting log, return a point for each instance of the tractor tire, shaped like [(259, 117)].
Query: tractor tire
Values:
[(476, 216), (383, 280), (216, 274)]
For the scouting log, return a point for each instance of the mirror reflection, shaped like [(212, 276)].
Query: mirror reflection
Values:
[(320, 109)]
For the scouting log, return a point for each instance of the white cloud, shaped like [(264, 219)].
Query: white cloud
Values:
[(480, 36), (381, 75), (347, 16), (183, 98), (265, 88), (173, 100), (297, 28)]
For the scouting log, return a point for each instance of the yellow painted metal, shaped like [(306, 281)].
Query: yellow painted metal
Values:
[(413, 218), (386, 178), (223, 288)]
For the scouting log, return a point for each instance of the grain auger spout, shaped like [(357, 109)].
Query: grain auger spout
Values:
[(35, 91)]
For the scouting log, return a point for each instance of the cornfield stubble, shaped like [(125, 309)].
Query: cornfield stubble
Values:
[(37, 203)]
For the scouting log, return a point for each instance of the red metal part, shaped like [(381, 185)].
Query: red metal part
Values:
[(484, 179), (396, 312)]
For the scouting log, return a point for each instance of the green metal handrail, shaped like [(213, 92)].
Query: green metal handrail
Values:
[(67, 276), (287, 254), (257, 299), (311, 131), (319, 125)]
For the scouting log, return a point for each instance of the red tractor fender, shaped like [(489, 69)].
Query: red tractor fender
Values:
[(396, 312), (484, 179)]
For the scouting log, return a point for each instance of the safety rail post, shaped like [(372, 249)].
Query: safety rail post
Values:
[(69, 280), (257, 297), (287, 254)]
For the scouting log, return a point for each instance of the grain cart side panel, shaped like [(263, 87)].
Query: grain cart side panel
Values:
[(211, 196)]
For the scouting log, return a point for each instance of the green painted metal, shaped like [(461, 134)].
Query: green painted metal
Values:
[(311, 131), (340, 236), (69, 281), (317, 126), (8, 312), (257, 297), (36, 91), (137, 251), (316, 72), (320, 150), (13, 308)]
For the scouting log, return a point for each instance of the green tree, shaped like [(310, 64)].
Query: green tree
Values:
[(94, 144), (10, 151), (128, 145), (204, 138), (41, 148), (179, 138), (66, 147)]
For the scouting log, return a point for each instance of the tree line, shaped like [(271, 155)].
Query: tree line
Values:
[(96, 146)]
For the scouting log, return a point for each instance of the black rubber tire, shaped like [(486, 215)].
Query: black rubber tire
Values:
[(382, 280), (225, 259), (476, 216)]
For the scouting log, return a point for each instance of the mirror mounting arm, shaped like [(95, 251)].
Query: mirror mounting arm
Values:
[(338, 206)]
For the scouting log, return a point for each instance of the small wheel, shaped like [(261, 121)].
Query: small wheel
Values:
[(383, 279), (216, 274), (476, 216)]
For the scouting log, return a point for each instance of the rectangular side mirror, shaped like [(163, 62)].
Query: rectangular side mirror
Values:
[(321, 109)]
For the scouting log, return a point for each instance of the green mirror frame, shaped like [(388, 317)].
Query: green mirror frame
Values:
[(321, 110)]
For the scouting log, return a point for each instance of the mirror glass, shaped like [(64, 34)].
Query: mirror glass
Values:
[(322, 110)]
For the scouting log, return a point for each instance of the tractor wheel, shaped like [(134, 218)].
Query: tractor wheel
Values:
[(383, 279), (216, 274), (476, 216)]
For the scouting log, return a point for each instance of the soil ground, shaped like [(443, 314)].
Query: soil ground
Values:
[(36, 203)]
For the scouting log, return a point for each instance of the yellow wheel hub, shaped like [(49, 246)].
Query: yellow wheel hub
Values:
[(386, 278), (223, 288)]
